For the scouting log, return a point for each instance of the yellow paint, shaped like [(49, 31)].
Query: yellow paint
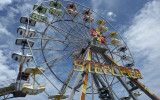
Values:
[(88, 66), (98, 66), (100, 22), (79, 63), (138, 74), (106, 69), (85, 79)]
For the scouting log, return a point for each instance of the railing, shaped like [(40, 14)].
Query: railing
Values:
[(7, 86), (7, 83)]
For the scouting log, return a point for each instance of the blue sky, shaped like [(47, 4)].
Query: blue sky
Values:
[(136, 20)]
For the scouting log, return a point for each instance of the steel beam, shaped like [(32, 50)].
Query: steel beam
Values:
[(112, 62), (144, 89), (66, 82)]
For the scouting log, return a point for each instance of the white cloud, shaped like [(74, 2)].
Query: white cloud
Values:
[(109, 3), (4, 3), (6, 72), (143, 38), (111, 16), (98, 7), (3, 30)]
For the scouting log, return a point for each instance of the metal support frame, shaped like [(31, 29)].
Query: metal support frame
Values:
[(144, 89), (98, 81), (75, 84), (136, 82), (66, 82), (101, 86), (109, 61)]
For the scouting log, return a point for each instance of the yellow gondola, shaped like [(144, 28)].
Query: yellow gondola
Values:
[(40, 9), (38, 17), (103, 29), (55, 12), (55, 4), (30, 89), (113, 34), (115, 41), (101, 22)]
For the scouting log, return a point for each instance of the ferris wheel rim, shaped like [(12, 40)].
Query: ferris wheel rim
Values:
[(46, 61)]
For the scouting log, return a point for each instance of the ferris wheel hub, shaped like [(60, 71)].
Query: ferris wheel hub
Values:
[(97, 49)]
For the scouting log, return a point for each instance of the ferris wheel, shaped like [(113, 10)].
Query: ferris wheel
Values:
[(79, 49)]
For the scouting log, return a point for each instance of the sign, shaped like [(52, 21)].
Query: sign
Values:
[(106, 69)]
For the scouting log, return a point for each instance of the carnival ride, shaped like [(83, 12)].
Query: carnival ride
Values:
[(57, 34)]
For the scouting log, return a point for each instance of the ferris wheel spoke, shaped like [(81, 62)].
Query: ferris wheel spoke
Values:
[(56, 63), (47, 26), (105, 79), (46, 49), (74, 20), (66, 22), (60, 56), (112, 81), (66, 37), (82, 21), (54, 26), (67, 45), (54, 39), (72, 28), (74, 45), (111, 90)]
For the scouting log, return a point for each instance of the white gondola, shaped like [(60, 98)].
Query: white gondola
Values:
[(125, 57), (115, 41), (137, 93), (71, 6), (58, 96), (34, 70), (101, 22), (25, 20), (28, 89), (22, 31), (31, 33), (38, 17), (55, 12), (113, 34), (19, 57), (103, 29), (24, 42), (55, 4), (28, 58), (88, 19), (72, 12), (87, 12), (122, 49), (129, 65), (40, 9)]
